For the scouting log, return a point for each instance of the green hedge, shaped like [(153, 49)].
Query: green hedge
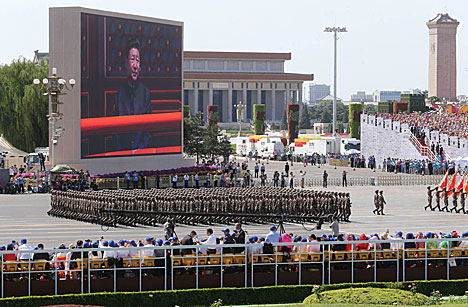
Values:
[(259, 119), (369, 295), (193, 297), (229, 296), (446, 287), (355, 110)]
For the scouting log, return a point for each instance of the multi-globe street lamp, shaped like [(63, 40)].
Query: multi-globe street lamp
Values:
[(54, 86)]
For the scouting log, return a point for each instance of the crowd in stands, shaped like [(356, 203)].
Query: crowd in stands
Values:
[(452, 124)]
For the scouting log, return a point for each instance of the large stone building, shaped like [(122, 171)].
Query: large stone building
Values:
[(227, 78), (443, 57)]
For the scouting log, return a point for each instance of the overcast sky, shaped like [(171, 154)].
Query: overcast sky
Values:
[(386, 47)]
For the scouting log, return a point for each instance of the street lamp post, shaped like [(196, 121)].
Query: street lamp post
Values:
[(54, 87), (335, 30), (240, 108)]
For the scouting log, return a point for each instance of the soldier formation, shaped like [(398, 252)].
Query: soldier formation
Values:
[(199, 206), (444, 194)]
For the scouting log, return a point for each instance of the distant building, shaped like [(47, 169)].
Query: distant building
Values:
[(39, 56), (412, 91), (318, 91), (443, 57), (361, 96), (227, 78), (383, 96)]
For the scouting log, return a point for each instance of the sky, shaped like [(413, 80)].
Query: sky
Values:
[(386, 48)]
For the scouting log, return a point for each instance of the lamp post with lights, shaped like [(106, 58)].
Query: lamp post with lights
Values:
[(335, 30), (54, 86)]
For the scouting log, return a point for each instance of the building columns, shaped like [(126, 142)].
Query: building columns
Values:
[(244, 99), (273, 103), (229, 106), (210, 94), (259, 94), (288, 95), (195, 98), (299, 95)]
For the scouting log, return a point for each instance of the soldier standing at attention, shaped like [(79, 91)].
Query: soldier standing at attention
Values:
[(376, 202), (382, 203), (325, 178)]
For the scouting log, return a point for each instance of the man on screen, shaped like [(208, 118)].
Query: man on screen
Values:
[(133, 98)]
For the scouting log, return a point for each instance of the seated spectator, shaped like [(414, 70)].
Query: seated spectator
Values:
[(95, 254), (313, 247), (410, 245), (376, 245), (228, 239), (12, 256), (362, 246), (273, 236), (285, 238), (210, 240), (339, 247), (420, 236), (189, 240)]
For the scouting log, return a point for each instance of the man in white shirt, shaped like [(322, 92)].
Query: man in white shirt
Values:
[(197, 181), (24, 256), (186, 181), (397, 245), (211, 240), (174, 181), (122, 252), (273, 236), (148, 252), (108, 253)]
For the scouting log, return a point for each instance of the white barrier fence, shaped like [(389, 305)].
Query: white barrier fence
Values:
[(249, 265)]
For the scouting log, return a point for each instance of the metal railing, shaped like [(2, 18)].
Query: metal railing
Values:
[(240, 265), (424, 150), (393, 180)]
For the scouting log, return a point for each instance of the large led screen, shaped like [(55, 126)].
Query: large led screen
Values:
[(131, 84)]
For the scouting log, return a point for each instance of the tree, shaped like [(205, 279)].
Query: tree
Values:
[(304, 122), (370, 108), (284, 121), (326, 117), (317, 111), (224, 148), (23, 108), (193, 135), (211, 141)]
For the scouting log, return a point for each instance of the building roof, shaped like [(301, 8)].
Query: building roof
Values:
[(329, 97), (442, 19), (279, 56), (248, 76), (39, 56)]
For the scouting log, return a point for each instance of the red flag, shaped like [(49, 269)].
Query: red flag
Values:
[(452, 185), (460, 185), (443, 183)]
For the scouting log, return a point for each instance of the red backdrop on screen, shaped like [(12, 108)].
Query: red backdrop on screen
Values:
[(108, 91)]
